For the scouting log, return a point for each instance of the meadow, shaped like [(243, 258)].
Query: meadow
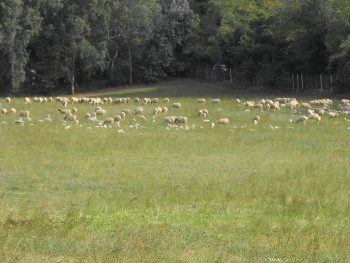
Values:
[(273, 192)]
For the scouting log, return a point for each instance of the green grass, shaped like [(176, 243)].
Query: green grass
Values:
[(251, 194)]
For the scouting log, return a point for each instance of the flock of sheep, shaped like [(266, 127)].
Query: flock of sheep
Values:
[(314, 110)]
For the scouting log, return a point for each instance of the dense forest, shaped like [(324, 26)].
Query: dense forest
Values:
[(47, 46)]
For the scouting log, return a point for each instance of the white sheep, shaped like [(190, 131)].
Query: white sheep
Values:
[(101, 112), (180, 119), (74, 110), (136, 100), (223, 121), (27, 100), (4, 111), (108, 120), (65, 111), (202, 100), (8, 99), (166, 100), (256, 119), (302, 119), (314, 116), (169, 119), (164, 110), (70, 117), (215, 101), (13, 111), (176, 105), (24, 114), (138, 110), (154, 100)]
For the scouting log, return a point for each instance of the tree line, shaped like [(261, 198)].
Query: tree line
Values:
[(46, 45)]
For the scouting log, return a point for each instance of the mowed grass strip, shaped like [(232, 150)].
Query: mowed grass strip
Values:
[(236, 193)]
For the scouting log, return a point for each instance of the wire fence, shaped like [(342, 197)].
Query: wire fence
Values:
[(327, 83)]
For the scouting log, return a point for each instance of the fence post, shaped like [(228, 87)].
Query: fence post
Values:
[(321, 82), (293, 81), (230, 74)]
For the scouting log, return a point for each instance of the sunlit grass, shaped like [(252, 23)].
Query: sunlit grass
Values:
[(241, 193)]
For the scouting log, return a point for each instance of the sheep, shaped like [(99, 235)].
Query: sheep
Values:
[(333, 114), (302, 119), (147, 100), (138, 110), (13, 111), (176, 105), (87, 116), (305, 105), (169, 119), (310, 111), (24, 114), (248, 104), (215, 101), (108, 120), (314, 116), (117, 118), (166, 100), (122, 114), (101, 112), (4, 111), (180, 119), (154, 100), (8, 99), (27, 100), (202, 113), (47, 117), (157, 110), (70, 117), (64, 103), (256, 119), (164, 110), (19, 121), (238, 101), (223, 121), (136, 100), (65, 111), (319, 111), (202, 100), (275, 106), (259, 106), (126, 111), (74, 110)]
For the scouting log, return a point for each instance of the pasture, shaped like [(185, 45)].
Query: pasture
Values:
[(145, 191)]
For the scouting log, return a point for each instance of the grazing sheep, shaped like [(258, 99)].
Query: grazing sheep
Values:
[(256, 119), (74, 110), (65, 111), (175, 105), (249, 104), (117, 118), (138, 110), (27, 100), (310, 111), (333, 114), (64, 103), (4, 111), (157, 110), (87, 116), (8, 99), (13, 111), (19, 121), (70, 117), (314, 116), (47, 117), (164, 110), (215, 101), (180, 119), (319, 111), (202, 113), (126, 111), (108, 120), (238, 101), (305, 105), (147, 100), (169, 119), (259, 106), (302, 119), (136, 100), (223, 121), (166, 100), (101, 112), (154, 100), (202, 100), (122, 114), (275, 106), (24, 113)]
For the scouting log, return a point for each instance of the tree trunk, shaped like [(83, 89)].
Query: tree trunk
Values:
[(112, 65), (72, 83), (130, 66)]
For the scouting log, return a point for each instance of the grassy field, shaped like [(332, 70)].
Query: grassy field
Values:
[(237, 193)]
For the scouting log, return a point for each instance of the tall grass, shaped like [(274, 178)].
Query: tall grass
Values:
[(225, 194)]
